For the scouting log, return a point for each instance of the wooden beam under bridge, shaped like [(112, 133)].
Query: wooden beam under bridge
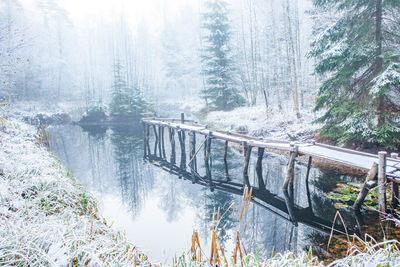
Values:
[(332, 155)]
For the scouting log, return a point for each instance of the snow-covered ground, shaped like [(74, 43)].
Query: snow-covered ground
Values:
[(254, 121), (46, 218), (30, 109), (248, 120)]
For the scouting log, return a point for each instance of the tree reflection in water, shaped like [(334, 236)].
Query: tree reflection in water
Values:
[(110, 162), (134, 182)]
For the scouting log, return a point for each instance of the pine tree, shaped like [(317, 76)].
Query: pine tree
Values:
[(220, 91), (359, 57), (127, 101)]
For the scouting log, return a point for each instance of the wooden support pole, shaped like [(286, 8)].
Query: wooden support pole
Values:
[(181, 137), (226, 161), (163, 143), (159, 141), (260, 155), (290, 206), (368, 184), (246, 154), (205, 150), (183, 118), (155, 140), (382, 181), (148, 140), (207, 156), (395, 186), (144, 140), (209, 159), (309, 164), (360, 222), (290, 170), (192, 151), (225, 150), (291, 180), (172, 141)]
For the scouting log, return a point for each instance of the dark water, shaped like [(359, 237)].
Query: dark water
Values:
[(160, 210)]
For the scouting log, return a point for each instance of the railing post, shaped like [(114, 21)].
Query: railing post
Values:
[(382, 181), (182, 118), (395, 186)]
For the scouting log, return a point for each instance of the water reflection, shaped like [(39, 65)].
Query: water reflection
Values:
[(160, 203)]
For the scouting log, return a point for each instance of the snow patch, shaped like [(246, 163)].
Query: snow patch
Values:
[(46, 218), (255, 121)]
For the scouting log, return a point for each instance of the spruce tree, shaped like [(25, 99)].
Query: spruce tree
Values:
[(358, 55), (220, 90), (127, 101)]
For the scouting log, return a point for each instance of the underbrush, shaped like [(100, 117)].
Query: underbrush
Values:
[(46, 218), (365, 252), (361, 253)]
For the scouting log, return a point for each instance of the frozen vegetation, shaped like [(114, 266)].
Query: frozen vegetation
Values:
[(47, 218), (245, 66), (253, 121)]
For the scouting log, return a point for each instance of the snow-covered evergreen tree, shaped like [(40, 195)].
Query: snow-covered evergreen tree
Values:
[(358, 55), (220, 91), (127, 101)]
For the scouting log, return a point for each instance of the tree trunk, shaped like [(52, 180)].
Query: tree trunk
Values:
[(378, 56), (295, 93), (276, 74)]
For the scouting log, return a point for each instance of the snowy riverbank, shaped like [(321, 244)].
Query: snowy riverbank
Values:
[(254, 121), (248, 120), (46, 218)]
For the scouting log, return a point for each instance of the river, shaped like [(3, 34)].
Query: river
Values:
[(159, 211)]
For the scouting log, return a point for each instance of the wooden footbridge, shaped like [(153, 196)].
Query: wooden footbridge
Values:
[(382, 169)]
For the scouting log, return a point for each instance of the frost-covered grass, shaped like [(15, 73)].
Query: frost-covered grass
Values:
[(46, 218), (278, 260), (254, 121), (372, 253)]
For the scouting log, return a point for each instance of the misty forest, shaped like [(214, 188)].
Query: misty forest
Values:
[(199, 132)]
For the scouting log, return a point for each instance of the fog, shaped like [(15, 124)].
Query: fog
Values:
[(64, 52)]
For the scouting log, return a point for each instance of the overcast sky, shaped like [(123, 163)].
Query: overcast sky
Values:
[(150, 11)]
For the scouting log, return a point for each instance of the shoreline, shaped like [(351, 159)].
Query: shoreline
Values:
[(47, 218)]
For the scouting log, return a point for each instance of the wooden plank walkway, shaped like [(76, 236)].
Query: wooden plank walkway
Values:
[(340, 156), (387, 169)]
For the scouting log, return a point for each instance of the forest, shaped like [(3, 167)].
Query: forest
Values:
[(83, 83), (285, 57)]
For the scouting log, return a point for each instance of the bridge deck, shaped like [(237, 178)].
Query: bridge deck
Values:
[(337, 155)]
